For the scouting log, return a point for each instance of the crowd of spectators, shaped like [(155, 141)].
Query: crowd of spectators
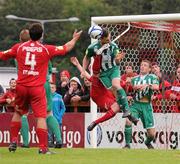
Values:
[(75, 91)]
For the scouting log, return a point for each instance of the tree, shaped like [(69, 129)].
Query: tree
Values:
[(60, 33)]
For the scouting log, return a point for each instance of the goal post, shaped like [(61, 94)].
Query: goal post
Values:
[(155, 37)]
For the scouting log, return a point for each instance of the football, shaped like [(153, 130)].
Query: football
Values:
[(95, 32)]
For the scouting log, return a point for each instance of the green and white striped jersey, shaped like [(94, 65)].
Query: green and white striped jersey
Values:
[(146, 79), (108, 55)]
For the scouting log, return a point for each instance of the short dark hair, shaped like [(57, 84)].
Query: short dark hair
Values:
[(128, 64), (154, 63), (35, 31), (12, 79), (105, 33)]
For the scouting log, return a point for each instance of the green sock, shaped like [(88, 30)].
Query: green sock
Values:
[(25, 130), (128, 134), (54, 127), (148, 140), (122, 99)]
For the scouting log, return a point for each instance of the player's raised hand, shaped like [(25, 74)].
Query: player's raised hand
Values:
[(74, 61), (70, 45), (76, 35), (119, 57)]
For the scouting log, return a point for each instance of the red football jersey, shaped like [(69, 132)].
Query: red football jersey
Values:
[(32, 59)]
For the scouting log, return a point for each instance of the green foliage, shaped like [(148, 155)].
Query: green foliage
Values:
[(60, 33)]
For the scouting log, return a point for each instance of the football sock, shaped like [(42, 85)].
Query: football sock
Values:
[(128, 134), (43, 137), (25, 130), (14, 130), (122, 99), (53, 126), (148, 140), (109, 114)]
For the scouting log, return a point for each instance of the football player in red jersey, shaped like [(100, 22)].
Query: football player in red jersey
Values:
[(32, 58), (106, 101)]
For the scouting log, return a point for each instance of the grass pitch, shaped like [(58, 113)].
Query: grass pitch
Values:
[(90, 156)]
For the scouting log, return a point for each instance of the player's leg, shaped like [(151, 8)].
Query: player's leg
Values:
[(39, 108), (148, 123), (121, 94), (111, 112), (52, 123), (128, 134), (150, 137), (25, 131), (112, 79), (108, 115), (134, 109), (54, 128), (15, 126)]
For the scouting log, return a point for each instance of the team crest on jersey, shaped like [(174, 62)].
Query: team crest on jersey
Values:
[(32, 44)]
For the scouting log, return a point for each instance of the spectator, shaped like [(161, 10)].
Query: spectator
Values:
[(1, 90), (74, 91), (175, 90), (126, 79), (1, 93), (63, 87), (164, 85), (162, 93), (9, 97), (86, 90), (58, 109)]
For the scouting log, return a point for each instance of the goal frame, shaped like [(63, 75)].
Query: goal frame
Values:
[(123, 19)]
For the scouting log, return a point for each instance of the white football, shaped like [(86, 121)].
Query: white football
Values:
[(95, 32)]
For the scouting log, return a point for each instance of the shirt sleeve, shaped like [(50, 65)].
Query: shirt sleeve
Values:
[(89, 52), (56, 50), (11, 53), (115, 49)]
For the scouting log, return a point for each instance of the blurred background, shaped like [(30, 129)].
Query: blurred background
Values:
[(59, 33)]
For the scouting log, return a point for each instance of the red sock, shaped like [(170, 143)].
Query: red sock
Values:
[(109, 114), (14, 130), (43, 138)]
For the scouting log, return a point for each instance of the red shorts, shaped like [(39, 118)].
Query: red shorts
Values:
[(100, 95), (34, 96)]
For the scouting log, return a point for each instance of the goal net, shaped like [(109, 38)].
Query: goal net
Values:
[(156, 38)]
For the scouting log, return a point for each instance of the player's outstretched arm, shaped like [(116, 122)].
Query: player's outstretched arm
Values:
[(5, 55), (86, 62), (71, 43), (75, 62)]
